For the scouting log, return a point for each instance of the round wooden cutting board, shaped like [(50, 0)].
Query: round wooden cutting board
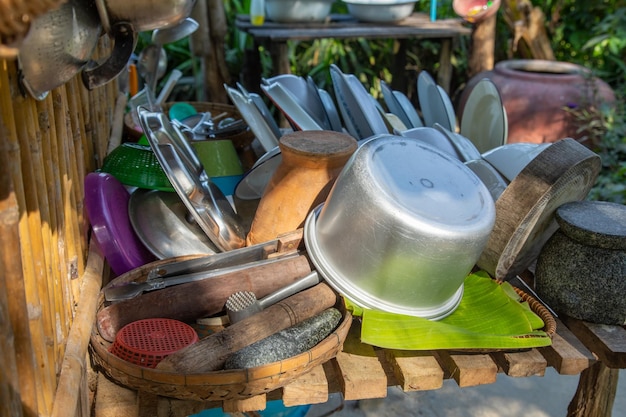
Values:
[(564, 172)]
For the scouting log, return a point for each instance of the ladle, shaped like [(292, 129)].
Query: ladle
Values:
[(174, 33), (151, 65)]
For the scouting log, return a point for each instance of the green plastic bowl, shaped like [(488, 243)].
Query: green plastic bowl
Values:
[(137, 166)]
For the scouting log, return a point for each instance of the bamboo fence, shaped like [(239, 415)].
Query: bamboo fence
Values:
[(46, 149)]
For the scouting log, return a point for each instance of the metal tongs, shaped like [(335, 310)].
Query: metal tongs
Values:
[(204, 200), (240, 256)]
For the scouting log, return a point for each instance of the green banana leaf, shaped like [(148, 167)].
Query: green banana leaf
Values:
[(489, 316)]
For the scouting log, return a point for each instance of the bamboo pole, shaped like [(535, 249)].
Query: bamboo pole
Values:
[(20, 287), (82, 150), (47, 212), (56, 204), (35, 276), (73, 367), (17, 366), (68, 183)]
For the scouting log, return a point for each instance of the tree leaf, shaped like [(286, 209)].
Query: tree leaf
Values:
[(489, 316)]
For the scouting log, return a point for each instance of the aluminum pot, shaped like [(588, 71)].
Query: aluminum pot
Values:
[(144, 15), (401, 228)]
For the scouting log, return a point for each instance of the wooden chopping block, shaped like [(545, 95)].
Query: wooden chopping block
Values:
[(193, 300), (210, 353), (565, 171)]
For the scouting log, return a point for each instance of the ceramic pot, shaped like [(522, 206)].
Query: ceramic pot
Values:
[(475, 11), (581, 270), (311, 161), (535, 94)]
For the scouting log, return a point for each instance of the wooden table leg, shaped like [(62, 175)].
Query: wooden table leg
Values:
[(280, 58), (595, 393), (252, 69), (280, 65), (399, 81)]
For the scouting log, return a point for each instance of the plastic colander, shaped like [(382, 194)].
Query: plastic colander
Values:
[(136, 165), (147, 342)]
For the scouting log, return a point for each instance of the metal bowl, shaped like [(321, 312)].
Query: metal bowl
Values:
[(144, 15), (298, 10), (401, 228), (380, 10)]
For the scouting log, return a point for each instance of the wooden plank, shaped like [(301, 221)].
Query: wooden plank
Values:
[(416, 26), (521, 364), (73, 367), (113, 400), (310, 388), (607, 342), (361, 374), (567, 354), (415, 370), (468, 369), (258, 402)]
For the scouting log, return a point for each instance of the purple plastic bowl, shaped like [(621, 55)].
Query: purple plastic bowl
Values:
[(106, 201)]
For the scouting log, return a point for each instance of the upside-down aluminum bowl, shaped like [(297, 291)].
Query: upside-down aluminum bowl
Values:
[(401, 228)]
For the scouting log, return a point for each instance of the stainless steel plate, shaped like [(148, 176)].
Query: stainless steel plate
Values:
[(163, 224)]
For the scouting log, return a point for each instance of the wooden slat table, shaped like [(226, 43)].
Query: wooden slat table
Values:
[(362, 371), (274, 37)]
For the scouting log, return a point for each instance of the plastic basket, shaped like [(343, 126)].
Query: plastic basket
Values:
[(136, 165)]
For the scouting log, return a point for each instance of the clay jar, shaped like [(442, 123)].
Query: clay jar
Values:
[(535, 94), (581, 270), (311, 161)]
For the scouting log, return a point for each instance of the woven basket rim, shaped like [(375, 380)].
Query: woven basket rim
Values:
[(216, 385)]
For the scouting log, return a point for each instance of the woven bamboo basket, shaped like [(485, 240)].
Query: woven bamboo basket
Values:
[(210, 386), (538, 308)]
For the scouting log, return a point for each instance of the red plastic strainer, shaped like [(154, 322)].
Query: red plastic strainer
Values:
[(147, 342)]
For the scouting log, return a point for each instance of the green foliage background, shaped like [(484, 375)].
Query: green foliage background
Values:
[(589, 33)]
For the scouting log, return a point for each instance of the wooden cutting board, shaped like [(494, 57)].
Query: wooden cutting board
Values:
[(564, 172)]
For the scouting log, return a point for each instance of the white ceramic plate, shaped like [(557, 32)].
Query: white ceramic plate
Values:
[(331, 110), (393, 105), (409, 110), (431, 103), (464, 147), (394, 123), (303, 92), (483, 120), (367, 107), (345, 103), (253, 118), (493, 180), (509, 159), (449, 107), (266, 113), (253, 184), (316, 106), (432, 137), (289, 106)]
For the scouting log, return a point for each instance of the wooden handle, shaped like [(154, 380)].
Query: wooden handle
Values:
[(210, 353), (188, 302)]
